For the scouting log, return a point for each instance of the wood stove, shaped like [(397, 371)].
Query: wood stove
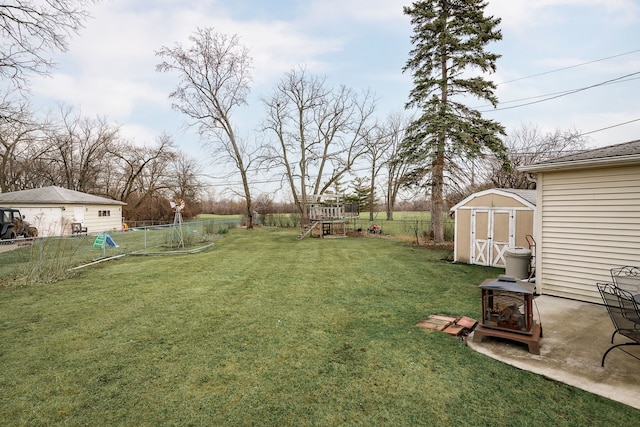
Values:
[(508, 306), (507, 312)]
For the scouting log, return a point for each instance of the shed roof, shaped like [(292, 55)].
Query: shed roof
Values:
[(526, 197), (55, 195), (627, 153)]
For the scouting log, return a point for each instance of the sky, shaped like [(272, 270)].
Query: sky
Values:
[(549, 47)]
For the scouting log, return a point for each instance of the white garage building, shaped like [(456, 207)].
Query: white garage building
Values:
[(55, 210)]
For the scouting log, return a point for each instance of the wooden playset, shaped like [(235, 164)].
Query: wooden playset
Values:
[(326, 215)]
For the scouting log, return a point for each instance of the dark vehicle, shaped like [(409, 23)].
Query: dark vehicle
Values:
[(8, 220), (12, 224)]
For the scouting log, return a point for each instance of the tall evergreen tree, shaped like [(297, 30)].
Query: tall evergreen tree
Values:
[(449, 40), (361, 194)]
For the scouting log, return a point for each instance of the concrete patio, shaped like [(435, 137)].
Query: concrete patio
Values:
[(575, 336)]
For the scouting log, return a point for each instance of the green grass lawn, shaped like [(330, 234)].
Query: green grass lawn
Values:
[(264, 329)]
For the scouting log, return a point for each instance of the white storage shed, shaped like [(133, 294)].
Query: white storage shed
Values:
[(489, 222)]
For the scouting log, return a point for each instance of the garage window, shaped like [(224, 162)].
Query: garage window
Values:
[(104, 213)]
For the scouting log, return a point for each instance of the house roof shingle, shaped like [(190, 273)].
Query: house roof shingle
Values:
[(620, 154), (55, 195)]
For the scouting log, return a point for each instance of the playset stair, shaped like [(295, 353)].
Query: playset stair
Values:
[(307, 230)]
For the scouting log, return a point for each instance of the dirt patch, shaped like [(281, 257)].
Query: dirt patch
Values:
[(445, 246), (355, 233)]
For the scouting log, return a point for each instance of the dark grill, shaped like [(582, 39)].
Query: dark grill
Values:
[(507, 305), (507, 312)]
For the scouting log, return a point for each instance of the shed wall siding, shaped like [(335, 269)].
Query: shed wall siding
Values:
[(524, 227), (590, 222), (463, 236), (491, 204)]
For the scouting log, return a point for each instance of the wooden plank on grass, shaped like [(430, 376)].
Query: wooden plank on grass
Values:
[(436, 324)]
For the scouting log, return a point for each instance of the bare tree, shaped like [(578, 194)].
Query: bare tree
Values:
[(319, 133), (147, 176), (20, 135), (184, 172), (132, 162), (527, 145), (80, 150), (395, 164), (31, 30), (214, 78), (87, 155), (376, 144), (154, 185)]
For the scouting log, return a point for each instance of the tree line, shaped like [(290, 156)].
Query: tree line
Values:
[(65, 148), (88, 154), (314, 138)]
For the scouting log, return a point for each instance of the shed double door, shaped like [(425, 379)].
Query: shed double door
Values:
[(492, 232)]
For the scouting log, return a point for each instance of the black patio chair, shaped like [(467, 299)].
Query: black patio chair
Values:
[(627, 278), (625, 315)]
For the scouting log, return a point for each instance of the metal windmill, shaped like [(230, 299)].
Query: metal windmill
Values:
[(177, 235)]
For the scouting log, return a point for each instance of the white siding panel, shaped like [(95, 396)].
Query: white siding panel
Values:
[(96, 223), (607, 243), (47, 219), (590, 223), (596, 211), (599, 233)]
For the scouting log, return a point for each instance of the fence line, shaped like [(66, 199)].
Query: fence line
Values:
[(418, 228), (47, 259)]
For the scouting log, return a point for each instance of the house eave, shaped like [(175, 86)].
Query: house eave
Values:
[(582, 164)]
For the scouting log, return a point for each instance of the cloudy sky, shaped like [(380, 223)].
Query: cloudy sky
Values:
[(549, 48)]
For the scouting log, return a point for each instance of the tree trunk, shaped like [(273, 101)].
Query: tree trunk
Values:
[(247, 195), (372, 188), (436, 194), (304, 201), (391, 197)]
